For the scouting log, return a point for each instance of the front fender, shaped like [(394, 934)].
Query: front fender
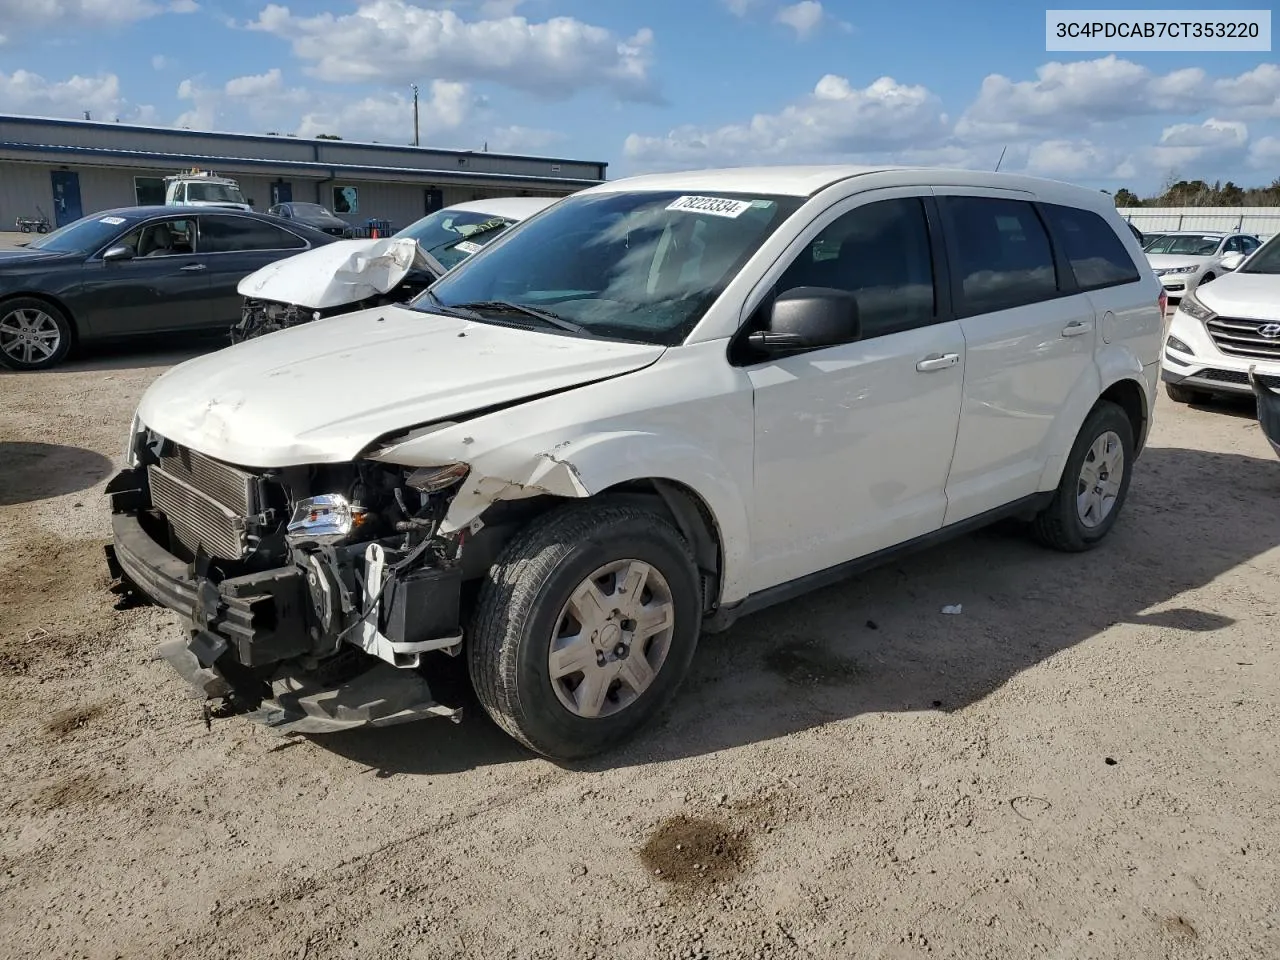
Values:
[(688, 419)]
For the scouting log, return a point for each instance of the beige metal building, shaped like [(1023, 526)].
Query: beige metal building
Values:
[(72, 168)]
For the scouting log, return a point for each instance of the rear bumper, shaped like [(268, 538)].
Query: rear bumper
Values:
[(243, 635)]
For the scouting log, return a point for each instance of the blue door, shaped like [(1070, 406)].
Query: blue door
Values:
[(66, 197), (281, 193)]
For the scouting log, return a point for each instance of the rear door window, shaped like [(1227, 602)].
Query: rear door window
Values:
[(1097, 256), (1000, 251), (220, 234)]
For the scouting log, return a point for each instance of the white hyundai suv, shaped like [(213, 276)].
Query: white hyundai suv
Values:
[(1225, 329), (658, 405)]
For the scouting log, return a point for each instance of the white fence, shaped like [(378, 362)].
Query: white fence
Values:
[(1262, 222)]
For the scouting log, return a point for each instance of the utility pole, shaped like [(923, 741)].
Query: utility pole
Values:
[(415, 113)]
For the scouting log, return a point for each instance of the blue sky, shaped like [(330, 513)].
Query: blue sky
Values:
[(657, 85)]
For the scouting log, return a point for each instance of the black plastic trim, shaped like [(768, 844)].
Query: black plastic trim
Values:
[(725, 617)]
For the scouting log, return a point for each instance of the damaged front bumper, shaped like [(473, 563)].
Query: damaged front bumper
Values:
[(258, 643)]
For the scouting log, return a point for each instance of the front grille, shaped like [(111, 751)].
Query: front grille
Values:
[(1225, 376), (228, 486), (1241, 338), (1238, 377)]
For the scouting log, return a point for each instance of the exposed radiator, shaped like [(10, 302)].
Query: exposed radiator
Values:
[(206, 502)]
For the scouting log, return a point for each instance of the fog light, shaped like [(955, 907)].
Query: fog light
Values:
[(327, 518), (435, 479), (1173, 343)]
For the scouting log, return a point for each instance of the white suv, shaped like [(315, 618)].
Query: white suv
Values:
[(660, 404)]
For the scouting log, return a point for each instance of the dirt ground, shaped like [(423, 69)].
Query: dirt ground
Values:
[(1083, 764)]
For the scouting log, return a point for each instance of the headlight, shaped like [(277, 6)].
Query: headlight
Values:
[(131, 445), (1189, 268), (1173, 343), (327, 518), (1192, 307), (435, 479)]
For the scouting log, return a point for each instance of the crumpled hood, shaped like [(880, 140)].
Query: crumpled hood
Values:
[(1163, 261), (323, 391), (346, 271), (1248, 296)]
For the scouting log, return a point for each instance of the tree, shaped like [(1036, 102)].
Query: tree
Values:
[(327, 136), (1127, 198)]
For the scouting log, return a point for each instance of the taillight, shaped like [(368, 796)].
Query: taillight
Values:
[(1164, 302)]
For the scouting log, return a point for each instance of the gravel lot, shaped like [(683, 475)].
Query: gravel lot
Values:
[(1083, 764)]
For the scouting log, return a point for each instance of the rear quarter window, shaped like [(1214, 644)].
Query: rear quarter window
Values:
[(1097, 256)]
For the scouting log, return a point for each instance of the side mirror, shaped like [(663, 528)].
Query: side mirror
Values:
[(808, 318), (117, 253), (1232, 261)]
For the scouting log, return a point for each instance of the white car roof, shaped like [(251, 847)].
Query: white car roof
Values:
[(804, 181), (513, 208)]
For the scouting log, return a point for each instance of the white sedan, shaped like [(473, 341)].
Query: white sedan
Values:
[(1224, 330), (1185, 259), (353, 274)]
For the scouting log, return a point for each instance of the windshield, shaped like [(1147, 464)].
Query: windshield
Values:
[(632, 266), (310, 210), (1187, 246), (82, 236), (1266, 259), (453, 235), (1151, 240), (213, 193)]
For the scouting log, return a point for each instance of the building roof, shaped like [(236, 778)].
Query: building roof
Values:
[(272, 138)]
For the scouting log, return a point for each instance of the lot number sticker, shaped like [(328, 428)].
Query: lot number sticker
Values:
[(114, 221), (468, 246), (716, 206)]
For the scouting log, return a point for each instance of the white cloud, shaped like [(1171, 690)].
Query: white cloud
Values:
[(1063, 159), (87, 12), (447, 107), (397, 41), (1212, 134), (804, 17), (1065, 97), (836, 121), (1265, 154), (517, 139), (26, 92), (739, 8), (160, 62)]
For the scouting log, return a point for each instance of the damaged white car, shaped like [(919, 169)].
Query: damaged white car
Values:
[(661, 404), (355, 274)]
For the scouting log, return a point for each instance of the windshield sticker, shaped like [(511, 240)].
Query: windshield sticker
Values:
[(466, 246), (716, 206), (114, 221)]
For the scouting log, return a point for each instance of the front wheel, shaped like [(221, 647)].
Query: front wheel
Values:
[(34, 335), (585, 627), (1094, 483)]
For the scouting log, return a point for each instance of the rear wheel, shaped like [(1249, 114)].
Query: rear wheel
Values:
[(34, 335), (1179, 394), (585, 627), (1095, 482)]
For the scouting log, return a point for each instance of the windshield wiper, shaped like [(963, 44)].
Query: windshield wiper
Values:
[(506, 306), (451, 311)]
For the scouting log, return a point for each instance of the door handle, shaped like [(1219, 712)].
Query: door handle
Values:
[(937, 361), (193, 266), (1076, 328)]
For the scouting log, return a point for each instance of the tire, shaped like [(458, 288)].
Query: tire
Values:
[(24, 228), (524, 604), (42, 229), (1179, 394), (25, 316), (1062, 525)]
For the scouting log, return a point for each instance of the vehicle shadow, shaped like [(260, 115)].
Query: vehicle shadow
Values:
[(879, 643), (1242, 407), (40, 471), (160, 351)]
